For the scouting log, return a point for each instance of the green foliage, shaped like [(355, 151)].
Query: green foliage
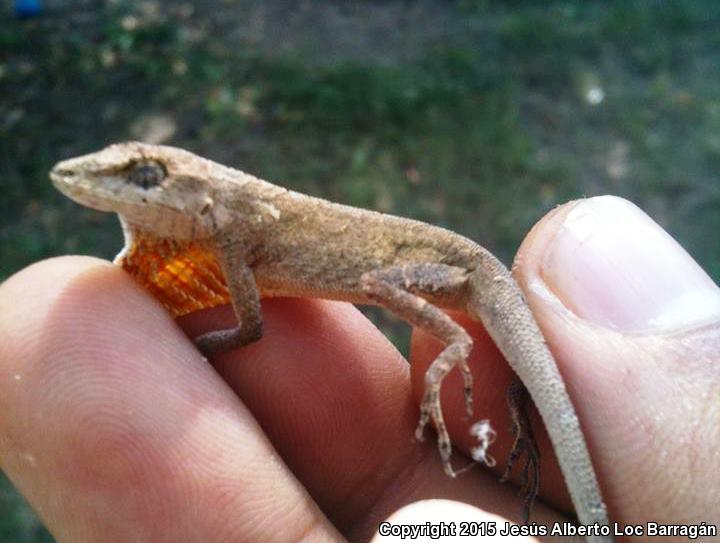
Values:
[(17, 522)]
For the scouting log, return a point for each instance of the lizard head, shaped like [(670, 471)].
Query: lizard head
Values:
[(164, 190)]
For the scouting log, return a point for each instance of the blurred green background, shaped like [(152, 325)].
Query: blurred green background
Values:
[(479, 116)]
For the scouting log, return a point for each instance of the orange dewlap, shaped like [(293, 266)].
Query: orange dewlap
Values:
[(184, 277)]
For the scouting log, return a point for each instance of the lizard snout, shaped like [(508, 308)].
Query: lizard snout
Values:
[(59, 174), (64, 169), (66, 173)]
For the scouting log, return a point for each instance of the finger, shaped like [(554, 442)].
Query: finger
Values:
[(634, 324), (334, 397), (116, 429)]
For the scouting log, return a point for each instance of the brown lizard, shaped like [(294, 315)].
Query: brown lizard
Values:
[(199, 234)]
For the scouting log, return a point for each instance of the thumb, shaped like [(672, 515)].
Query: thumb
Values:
[(634, 323)]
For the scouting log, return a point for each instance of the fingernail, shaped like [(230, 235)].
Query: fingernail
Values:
[(614, 266)]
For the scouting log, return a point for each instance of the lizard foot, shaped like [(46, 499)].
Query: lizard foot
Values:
[(219, 341), (524, 444)]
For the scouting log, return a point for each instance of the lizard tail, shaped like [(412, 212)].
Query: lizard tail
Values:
[(497, 301)]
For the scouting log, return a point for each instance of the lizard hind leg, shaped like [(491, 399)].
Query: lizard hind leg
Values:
[(400, 289)]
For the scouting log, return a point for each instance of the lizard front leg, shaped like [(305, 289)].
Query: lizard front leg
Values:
[(400, 290), (245, 299)]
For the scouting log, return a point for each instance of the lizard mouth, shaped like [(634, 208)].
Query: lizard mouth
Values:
[(61, 176), (64, 174), (75, 181)]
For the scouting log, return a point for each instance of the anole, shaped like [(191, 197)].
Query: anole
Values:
[(199, 234)]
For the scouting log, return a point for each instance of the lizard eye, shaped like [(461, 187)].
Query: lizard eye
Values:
[(147, 174)]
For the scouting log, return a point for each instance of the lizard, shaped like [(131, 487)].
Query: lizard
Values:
[(199, 234)]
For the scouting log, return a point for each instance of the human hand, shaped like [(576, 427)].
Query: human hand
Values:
[(115, 428)]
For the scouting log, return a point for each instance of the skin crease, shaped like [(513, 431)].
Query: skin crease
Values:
[(113, 426)]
